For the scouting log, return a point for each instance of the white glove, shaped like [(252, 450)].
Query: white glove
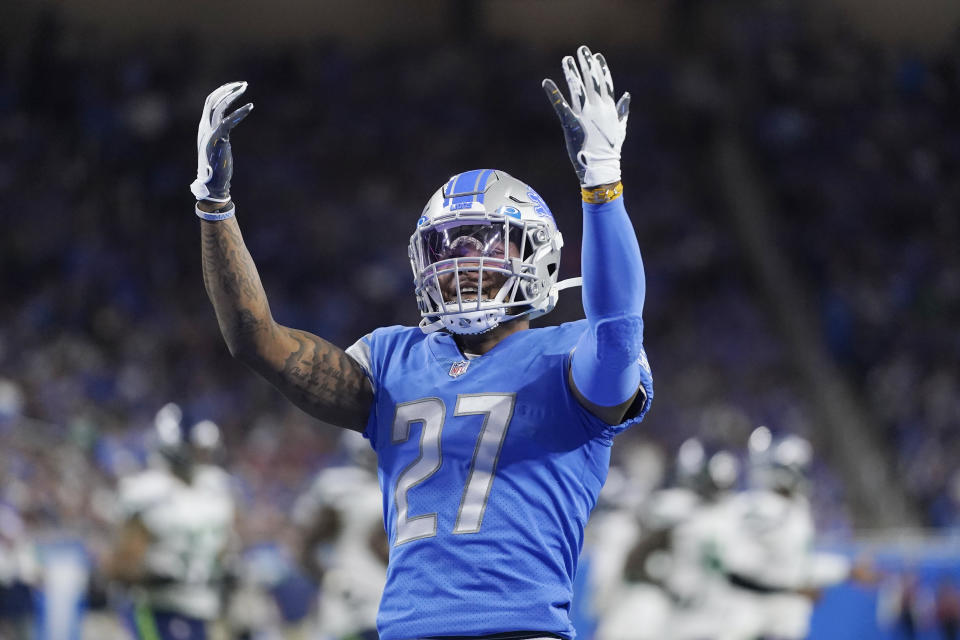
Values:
[(214, 157), (593, 124)]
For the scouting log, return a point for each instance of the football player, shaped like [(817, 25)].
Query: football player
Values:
[(177, 522), (668, 573), (19, 571), (774, 576), (492, 438), (344, 545)]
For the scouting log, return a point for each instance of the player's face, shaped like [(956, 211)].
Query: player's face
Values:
[(469, 274), (469, 244)]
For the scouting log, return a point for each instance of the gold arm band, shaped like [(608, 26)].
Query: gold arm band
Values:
[(600, 195)]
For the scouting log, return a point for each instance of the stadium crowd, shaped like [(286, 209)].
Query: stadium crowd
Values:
[(105, 318), (861, 148)]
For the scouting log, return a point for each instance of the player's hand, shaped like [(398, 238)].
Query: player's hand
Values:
[(214, 158), (593, 124)]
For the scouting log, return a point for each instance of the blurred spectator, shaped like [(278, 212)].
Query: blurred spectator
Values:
[(948, 609), (905, 605)]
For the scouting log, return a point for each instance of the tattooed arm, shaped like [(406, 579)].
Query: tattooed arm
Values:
[(314, 374), (317, 376)]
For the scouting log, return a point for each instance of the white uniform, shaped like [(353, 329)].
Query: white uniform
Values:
[(695, 588), (354, 575), (190, 526), (673, 607), (768, 545), (609, 536)]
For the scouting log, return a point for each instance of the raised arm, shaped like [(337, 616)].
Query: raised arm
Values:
[(314, 374), (609, 370)]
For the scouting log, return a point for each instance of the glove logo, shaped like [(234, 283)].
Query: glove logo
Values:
[(612, 144)]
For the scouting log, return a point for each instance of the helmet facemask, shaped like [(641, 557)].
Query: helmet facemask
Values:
[(474, 272)]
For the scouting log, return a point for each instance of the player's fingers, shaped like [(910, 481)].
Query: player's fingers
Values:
[(623, 107), (568, 119), (590, 73), (232, 91), (217, 95), (556, 98), (234, 118), (578, 94), (605, 75), (213, 97)]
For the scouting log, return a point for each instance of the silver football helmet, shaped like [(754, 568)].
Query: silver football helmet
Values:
[(486, 250)]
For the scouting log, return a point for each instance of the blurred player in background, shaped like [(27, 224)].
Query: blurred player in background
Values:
[(492, 438), (613, 530), (669, 571), (177, 523), (269, 597), (773, 575), (344, 544), (17, 571)]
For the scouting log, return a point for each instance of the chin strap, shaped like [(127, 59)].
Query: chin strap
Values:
[(430, 327), (436, 325), (568, 283)]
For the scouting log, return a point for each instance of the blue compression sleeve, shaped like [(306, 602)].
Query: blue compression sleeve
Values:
[(606, 364)]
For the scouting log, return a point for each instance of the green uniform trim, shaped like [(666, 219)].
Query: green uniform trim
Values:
[(145, 622)]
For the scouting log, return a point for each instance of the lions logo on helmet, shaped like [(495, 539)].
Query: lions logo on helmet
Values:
[(486, 250)]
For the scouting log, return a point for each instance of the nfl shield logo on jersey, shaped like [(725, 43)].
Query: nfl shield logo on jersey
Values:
[(457, 369)]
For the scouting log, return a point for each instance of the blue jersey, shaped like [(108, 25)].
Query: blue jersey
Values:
[(489, 469)]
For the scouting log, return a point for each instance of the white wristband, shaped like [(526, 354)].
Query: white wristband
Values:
[(215, 216)]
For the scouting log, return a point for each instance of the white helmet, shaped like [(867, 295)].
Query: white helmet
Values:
[(706, 471), (779, 463), (486, 250)]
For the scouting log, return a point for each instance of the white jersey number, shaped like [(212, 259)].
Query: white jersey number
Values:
[(497, 410)]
